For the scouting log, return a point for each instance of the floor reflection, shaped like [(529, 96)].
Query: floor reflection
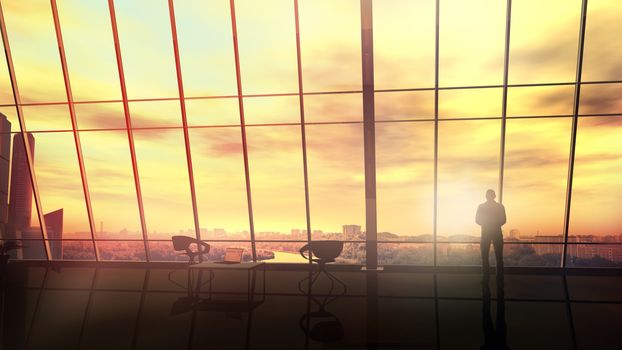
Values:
[(134, 308), (495, 334)]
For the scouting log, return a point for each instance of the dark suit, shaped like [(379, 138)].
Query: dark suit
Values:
[(491, 216)]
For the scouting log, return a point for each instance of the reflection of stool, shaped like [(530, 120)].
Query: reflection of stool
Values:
[(322, 252), (321, 326)]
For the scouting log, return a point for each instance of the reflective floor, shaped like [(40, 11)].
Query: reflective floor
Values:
[(136, 308)]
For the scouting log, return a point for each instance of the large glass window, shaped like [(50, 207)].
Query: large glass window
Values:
[(443, 146)]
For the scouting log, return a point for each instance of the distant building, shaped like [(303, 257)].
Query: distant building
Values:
[(351, 232), (220, 233), (20, 203), (5, 154), (54, 225), (514, 234), (542, 249)]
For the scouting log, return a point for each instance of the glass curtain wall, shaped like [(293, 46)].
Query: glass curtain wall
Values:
[(241, 123)]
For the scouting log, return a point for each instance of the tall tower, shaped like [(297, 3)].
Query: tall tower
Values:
[(5, 153), (54, 224), (20, 204)]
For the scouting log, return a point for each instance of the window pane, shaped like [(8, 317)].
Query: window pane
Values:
[(163, 170), (336, 177), (277, 184), (267, 41), (206, 47), (60, 186), (333, 108), (404, 43), (155, 114), (544, 39), (448, 254), (220, 183), (34, 50), (469, 103), (121, 251), (111, 184), (147, 48), (468, 165), (540, 101), (601, 57), (405, 254), (404, 105), (73, 250), (548, 255), (472, 38), (87, 35), (601, 98), (593, 255), (269, 110), (405, 180), (222, 111), (100, 116), (6, 90), (597, 190), (43, 118), (330, 40), (536, 171)]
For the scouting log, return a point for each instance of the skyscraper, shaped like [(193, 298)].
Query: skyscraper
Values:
[(20, 204), (54, 225), (5, 153)]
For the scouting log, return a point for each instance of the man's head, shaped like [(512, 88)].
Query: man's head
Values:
[(490, 195)]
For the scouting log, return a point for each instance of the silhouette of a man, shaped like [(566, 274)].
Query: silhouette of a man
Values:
[(491, 216)]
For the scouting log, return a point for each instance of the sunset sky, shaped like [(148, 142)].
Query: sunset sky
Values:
[(543, 49)]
